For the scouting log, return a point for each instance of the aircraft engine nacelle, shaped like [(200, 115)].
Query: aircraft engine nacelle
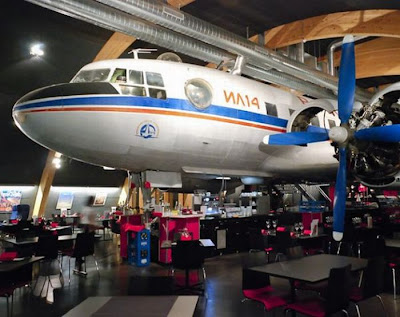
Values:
[(377, 164)]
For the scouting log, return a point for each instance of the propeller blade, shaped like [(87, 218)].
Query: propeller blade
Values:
[(389, 133), (295, 138), (347, 79), (339, 204), (313, 128)]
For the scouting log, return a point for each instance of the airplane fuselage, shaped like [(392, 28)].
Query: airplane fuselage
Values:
[(137, 115)]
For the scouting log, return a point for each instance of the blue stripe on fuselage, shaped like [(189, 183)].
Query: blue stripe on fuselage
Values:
[(173, 104)]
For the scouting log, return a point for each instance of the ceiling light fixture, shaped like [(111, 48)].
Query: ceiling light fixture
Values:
[(223, 177), (37, 50)]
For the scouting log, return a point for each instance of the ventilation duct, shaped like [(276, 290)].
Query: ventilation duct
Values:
[(167, 16)]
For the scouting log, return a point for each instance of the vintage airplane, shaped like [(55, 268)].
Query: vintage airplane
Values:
[(142, 115)]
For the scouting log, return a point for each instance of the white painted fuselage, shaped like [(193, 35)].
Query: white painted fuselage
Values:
[(167, 132)]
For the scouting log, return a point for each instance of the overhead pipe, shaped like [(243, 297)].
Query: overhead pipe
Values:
[(111, 19), (331, 50), (167, 16)]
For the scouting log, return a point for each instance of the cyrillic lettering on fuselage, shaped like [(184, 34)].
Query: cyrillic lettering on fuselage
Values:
[(241, 100)]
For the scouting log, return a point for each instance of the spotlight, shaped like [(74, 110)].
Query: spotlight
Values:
[(37, 50)]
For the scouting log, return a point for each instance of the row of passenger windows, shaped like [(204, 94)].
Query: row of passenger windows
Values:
[(132, 82)]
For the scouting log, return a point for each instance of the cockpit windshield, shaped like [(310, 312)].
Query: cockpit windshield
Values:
[(92, 75)]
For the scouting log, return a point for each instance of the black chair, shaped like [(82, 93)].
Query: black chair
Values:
[(256, 285), (257, 242), (84, 247), (115, 227), (47, 246), (187, 256), (283, 242), (372, 283), (345, 246), (337, 296)]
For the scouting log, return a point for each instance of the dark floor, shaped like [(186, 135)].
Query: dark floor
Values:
[(223, 288)]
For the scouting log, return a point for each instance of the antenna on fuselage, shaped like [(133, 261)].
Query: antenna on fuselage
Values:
[(135, 52)]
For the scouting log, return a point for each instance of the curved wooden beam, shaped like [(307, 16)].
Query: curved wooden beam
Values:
[(365, 22), (378, 57)]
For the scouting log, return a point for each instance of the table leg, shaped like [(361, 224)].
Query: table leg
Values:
[(292, 295)]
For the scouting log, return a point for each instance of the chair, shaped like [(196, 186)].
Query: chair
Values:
[(345, 246), (115, 227), (7, 292), (257, 242), (256, 285), (189, 255), (47, 246), (394, 264), (283, 242), (337, 297), (84, 247), (372, 283)]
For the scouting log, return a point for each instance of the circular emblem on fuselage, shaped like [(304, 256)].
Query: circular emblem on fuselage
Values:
[(147, 130)]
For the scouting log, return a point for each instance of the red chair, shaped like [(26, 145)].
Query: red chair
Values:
[(337, 297), (256, 285)]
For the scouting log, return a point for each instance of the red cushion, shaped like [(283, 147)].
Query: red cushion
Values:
[(6, 291), (54, 224), (8, 256), (356, 294), (310, 307), (257, 292), (392, 265), (281, 229), (268, 249), (266, 296)]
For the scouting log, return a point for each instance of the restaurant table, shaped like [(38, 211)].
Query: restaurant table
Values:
[(392, 243), (310, 269), (144, 306), (35, 240), (9, 266)]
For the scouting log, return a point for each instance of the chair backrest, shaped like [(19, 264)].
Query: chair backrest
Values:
[(256, 239), (252, 279), (283, 241), (23, 211), (47, 246), (115, 227), (64, 231), (84, 244), (338, 290), (188, 255), (295, 252), (373, 278)]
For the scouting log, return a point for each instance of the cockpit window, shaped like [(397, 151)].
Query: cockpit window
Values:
[(154, 79), (119, 76), (136, 77), (85, 76)]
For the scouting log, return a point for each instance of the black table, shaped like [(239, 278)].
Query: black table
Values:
[(310, 269), (35, 240), (9, 266)]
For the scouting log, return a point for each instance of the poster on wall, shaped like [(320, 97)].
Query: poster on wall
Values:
[(100, 199), (65, 200), (9, 198)]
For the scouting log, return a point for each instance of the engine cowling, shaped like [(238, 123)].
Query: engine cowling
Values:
[(376, 164)]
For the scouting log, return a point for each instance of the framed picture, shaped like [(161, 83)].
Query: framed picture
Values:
[(9, 198), (100, 199), (65, 200)]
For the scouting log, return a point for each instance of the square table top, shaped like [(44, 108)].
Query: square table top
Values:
[(145, 306), (312, 269), (8, 266)]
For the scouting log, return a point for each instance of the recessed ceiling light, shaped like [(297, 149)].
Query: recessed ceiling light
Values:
[(37, 50), (225, 178)]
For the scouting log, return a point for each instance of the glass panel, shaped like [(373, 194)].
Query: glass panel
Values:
[(91, 75), (133, 90), (154, 79), (136, 77), (157, 93), (271, 109), (119, 76)]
